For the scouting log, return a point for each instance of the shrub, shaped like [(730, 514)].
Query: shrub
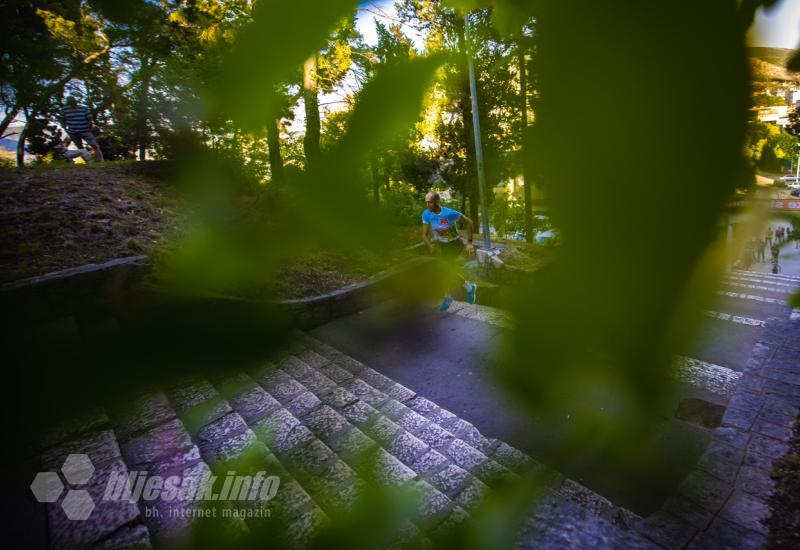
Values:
[(403, 204)]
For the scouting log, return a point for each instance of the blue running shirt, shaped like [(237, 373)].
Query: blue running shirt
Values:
[(443, 224)]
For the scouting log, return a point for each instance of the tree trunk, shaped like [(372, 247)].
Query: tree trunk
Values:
[(311, 101), (23, 135), (10, 116), (376, 178), (523, 104), (143, 109), (274, 146)]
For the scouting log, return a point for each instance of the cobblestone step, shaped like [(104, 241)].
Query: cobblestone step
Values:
[(315, 480), (459, 460), (112, 524), (328, 455), (225, 421), (326, 424), (155, 437)]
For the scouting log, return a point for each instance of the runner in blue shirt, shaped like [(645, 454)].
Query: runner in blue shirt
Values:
[(440, 233)]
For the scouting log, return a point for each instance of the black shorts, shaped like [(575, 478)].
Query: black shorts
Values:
[(451, 250)]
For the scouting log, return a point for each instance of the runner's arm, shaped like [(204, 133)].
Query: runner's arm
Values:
[(426, 236), (470, 231)]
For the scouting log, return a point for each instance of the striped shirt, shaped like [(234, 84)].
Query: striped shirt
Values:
[(77, 118)]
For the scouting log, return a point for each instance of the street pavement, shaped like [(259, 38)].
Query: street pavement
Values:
[(448, 359), (745, 300)]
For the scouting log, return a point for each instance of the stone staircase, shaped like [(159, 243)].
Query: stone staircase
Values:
[(329, 427)]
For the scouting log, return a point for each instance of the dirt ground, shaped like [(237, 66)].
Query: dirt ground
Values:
[(60, 216), (55, 217)]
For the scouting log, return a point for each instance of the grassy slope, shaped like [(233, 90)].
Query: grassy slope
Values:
[(770, 64), (775, 56), (60, 216)]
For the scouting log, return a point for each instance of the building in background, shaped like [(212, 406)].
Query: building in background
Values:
[(776, 114)]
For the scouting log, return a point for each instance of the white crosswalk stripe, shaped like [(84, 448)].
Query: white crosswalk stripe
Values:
[(753, 297), (701, 374), (770, 275), (760, 287), (735, 318), (764, 282), (795, 315)]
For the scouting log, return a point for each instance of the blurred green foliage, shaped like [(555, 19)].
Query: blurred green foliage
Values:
[(597, 329)]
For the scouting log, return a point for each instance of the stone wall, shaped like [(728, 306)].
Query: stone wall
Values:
[(87, 290), (306, 313), (94, 291)]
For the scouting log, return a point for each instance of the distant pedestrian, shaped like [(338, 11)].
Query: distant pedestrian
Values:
[(776, 252), (749, 254), (762, 250), (769, 236), (78, 122), (778, 234)]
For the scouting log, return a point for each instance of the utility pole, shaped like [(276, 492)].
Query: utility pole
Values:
[(487, 242), (527, 183)]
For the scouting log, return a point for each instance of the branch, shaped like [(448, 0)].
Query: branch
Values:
[(91, 57)]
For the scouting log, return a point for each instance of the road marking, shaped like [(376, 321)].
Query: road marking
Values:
[(763, 281), (708, 376), (770, 275), (759, 287), (701, 374), (735, 318), (751, 297), (491, 315), (795, 315)]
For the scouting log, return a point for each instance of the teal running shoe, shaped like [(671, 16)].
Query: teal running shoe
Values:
[(446, 304), (472, 291)]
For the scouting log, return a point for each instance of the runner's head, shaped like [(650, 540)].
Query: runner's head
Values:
[(432, 201)]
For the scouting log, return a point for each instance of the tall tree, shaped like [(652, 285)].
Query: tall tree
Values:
[(35, 65), (523, 39), (311, 103), (498, 95), (322, 71), (392, 48)]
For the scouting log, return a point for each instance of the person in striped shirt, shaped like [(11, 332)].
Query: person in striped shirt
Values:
[(78, 122)]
